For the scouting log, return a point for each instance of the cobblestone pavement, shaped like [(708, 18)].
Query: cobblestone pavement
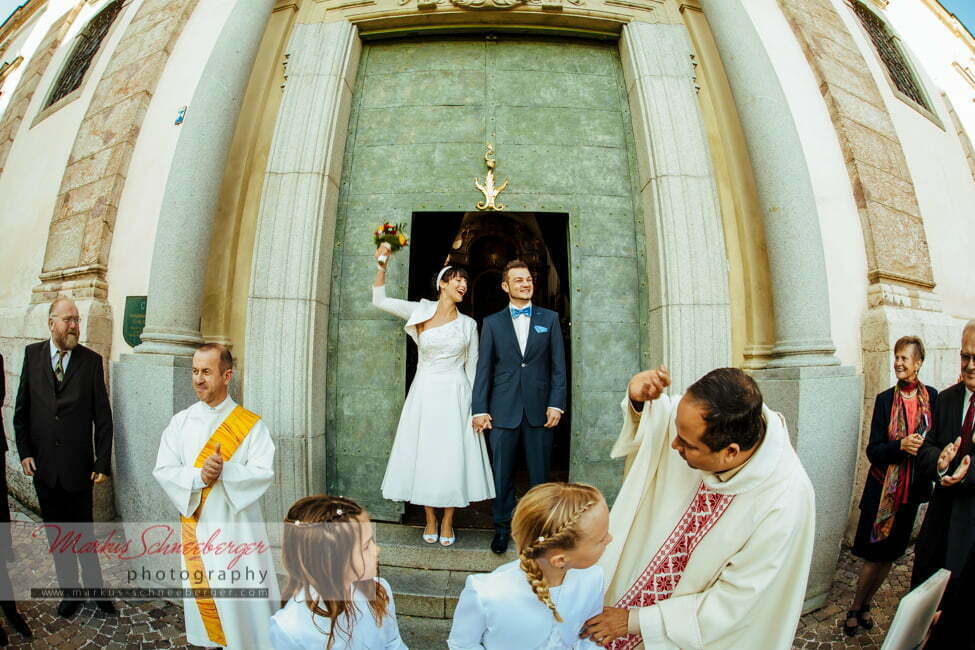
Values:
[(822, 629), (159, 624)]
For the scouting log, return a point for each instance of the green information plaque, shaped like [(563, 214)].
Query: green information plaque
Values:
[(135, 319)]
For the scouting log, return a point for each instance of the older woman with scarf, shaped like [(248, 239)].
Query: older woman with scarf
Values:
[(902, 416)]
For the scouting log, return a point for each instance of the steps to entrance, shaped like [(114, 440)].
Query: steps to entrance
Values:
[(427, 579), (423, 633), (401, 546)]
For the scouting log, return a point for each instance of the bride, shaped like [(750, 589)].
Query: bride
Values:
[(438, 460)]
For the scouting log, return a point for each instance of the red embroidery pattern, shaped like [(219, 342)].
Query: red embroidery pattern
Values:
[(660, 578)]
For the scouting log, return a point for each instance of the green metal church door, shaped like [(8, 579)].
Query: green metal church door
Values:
[(556, 112)]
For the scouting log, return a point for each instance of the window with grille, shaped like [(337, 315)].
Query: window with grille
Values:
[(890, 53), (86, 46)]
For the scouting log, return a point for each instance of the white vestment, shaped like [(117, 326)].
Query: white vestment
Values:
[(232, 513), (743, 582), (499, 611), (294, 627)]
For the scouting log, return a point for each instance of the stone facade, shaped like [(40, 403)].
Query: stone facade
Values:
[(897, 249), (80, 237), (24, 93), (899, 269), (557, 116), (592, 107)]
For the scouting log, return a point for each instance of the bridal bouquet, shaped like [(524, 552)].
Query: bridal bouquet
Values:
[(393, 235)]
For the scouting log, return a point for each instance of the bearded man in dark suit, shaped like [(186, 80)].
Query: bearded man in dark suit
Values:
[(61, 402)]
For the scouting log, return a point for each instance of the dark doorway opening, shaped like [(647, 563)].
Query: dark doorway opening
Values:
[(483, 242)]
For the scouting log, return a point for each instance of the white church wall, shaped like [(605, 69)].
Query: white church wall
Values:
[(135, 229), (32, 175), (945, 192), (839, 220), (25, 42), (948, 56)]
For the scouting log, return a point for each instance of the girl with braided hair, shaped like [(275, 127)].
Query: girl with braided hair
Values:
[(541, 600), (334, 598)]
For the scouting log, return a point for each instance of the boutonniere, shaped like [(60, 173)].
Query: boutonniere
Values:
[(541, 329)]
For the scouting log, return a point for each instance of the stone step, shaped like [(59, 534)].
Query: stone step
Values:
[(423, 633), (429, 593), (402, 546)]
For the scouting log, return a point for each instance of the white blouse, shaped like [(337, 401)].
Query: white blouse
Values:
[(292, 627), (499, 611)]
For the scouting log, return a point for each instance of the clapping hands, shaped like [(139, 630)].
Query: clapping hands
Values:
[(948, 455), (212, 466)]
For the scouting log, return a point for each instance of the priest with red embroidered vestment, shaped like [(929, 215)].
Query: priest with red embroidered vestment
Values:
[(714, 523)]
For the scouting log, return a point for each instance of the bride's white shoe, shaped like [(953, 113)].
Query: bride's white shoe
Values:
[(448, 541), (431, 538)]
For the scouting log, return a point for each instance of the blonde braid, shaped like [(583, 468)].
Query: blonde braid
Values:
[(537, 580), (530, 565)]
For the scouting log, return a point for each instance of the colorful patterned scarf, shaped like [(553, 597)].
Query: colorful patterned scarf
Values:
[(897, 479)]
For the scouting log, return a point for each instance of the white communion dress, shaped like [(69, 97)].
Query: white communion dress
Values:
[(294, 627), (437, 459), (499, 611)]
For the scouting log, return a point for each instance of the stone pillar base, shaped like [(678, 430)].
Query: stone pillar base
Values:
[(821, 405), (147, 389)]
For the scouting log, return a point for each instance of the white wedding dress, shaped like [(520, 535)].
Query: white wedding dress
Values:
[(437, 460)]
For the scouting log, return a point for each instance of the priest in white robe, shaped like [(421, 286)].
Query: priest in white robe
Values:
[(215, 463), (713, 526)]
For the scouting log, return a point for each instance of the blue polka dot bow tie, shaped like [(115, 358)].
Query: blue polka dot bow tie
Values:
[(527, 311)]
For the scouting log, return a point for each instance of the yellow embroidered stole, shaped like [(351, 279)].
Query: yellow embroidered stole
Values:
[(229, 435)]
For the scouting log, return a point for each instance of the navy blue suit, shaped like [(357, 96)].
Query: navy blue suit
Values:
[(516, 390)]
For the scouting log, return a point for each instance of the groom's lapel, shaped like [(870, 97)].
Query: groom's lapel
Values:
[(509, 329), (532, 334)]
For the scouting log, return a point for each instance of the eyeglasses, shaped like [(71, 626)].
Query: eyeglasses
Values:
[(967, 358)]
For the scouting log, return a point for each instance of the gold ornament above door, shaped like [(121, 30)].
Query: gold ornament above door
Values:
[(487, 188)]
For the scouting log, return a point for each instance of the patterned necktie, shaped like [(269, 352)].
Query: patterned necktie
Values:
[(59, 369), (966, 429)]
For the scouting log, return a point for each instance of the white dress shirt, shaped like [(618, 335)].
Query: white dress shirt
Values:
[(54, 357), (521, 324)]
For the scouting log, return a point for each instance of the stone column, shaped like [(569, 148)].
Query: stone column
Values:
[(819, 398), (689, 325), (183, 235), (154, 382), (795, 249), (287, 309)]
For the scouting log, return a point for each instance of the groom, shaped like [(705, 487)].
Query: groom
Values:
[(519, 390)]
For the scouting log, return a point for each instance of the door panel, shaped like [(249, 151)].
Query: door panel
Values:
[(555, 110)]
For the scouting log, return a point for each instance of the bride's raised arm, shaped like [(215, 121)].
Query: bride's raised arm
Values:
[(402, 308)]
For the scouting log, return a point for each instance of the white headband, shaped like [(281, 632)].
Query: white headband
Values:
[(440, 275)]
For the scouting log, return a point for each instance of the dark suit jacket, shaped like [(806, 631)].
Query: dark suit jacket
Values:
[(882, 452), (949, 525), (54, 426), (510, 386)]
